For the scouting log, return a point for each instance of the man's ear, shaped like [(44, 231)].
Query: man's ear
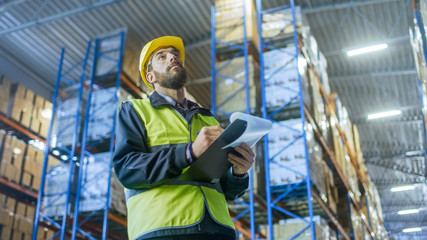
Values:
[(150, 77)]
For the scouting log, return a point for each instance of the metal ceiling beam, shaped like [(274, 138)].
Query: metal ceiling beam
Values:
[(406, 155), (411, 72), (84, 8), (412, 234), (396, 167), (333, 7), (399, 121), (390, 182), (397, 206), (10, 3)]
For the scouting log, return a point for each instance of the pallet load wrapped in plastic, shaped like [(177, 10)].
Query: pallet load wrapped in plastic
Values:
[(94, 187), (286, 229), (281, 74), (103, 110)]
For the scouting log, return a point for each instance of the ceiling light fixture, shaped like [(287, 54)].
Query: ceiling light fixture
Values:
[(384, 114), (403, 188), (367, 49), (408, 211), (415, 229)]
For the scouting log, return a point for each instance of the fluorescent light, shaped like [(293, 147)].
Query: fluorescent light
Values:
[(384, 114), (403, 188), (416, 229), (367, 49), (408, 211), (55, 152), (64, 157)]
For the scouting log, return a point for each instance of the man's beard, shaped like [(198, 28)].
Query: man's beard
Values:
[(172, 79)]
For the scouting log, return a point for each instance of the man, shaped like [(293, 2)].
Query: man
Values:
[(159, 138)]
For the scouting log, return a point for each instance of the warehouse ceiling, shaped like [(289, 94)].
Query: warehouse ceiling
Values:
[(32, 33)]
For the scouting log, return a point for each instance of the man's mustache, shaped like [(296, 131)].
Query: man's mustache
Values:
[(173, 64)]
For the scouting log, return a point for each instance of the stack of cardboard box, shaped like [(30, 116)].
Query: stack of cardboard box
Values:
[(12, 157), (17, 218)]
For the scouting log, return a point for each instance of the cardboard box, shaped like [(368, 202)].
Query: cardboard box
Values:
[(18, 148), (41, 233), (23, 105), (37, 114), (7, 217), (31, 210), (3, 214), (26, 226), (2, 201), (16, 234), (7, 150), (45, 119), (13, 173), (36, 182), (6, 232), (10, 204), (5, 86)]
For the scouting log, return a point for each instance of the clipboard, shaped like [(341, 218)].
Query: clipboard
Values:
[(213, 163)]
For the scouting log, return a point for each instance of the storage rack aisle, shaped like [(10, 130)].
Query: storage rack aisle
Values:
[(292, 91), (232, 80)]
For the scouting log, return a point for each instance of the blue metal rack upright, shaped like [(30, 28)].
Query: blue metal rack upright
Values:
[(68, 85), (108, 49), (302, 184), (239, 50)]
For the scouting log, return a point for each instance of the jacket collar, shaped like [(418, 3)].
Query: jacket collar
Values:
[(157, 100)]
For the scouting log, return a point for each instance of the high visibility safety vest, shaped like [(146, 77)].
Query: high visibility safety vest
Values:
[(173, 204)]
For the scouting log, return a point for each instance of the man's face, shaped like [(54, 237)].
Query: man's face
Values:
[(168, 69)]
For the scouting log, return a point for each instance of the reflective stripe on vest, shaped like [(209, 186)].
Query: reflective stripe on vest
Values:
[(172, 205)]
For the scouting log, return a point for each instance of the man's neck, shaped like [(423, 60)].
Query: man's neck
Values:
[(178, 95)]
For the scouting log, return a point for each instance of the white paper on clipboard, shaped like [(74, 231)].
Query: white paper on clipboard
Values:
[(257, 127)]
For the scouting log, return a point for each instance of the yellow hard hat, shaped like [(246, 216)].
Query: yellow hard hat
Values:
[(154, 45)]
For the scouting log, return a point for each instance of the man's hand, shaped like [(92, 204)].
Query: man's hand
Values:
[(205, 138), (242, 164)]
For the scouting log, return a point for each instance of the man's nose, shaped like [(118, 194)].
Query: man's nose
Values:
[(172, 57)]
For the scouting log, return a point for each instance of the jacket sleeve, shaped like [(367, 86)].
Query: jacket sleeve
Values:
[(233, 186), (135, 166)]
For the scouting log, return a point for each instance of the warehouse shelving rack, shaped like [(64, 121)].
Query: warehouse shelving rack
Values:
[(237, 50), (74, 223), (112, 54), (68, 84), (303, 187)]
